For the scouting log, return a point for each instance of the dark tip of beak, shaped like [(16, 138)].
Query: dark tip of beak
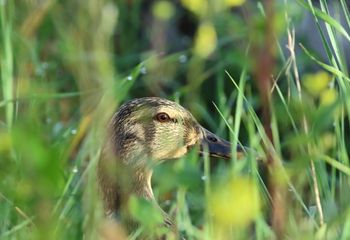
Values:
[(218, 147)]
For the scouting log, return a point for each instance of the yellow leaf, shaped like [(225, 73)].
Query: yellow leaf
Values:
[(235, 203), (198, 7), (328, 97), (316, 83), (163, 10), (234, 3), (328, 140), (205, 41)]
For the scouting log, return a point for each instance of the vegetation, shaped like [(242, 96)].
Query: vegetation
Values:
[(245, 69)]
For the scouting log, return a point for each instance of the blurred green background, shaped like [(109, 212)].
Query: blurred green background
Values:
[(67, 65)]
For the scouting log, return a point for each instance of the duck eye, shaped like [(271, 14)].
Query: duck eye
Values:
[(163, 117)]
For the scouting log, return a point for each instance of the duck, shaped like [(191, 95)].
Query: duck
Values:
[(143, 133)]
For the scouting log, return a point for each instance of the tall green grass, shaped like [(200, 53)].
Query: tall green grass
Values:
[(66, 66)]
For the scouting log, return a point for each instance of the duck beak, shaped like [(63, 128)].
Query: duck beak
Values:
[(218, 147)]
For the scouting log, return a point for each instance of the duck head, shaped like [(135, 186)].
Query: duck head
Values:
[(155, 129)]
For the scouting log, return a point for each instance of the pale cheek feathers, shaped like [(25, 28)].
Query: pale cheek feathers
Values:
[(193, 137), (167, 145), (174, 146), (178, 153)]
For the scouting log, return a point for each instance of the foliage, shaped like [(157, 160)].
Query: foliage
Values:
[(67, 65)]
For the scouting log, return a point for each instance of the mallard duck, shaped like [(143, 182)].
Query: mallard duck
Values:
[(142, 133)]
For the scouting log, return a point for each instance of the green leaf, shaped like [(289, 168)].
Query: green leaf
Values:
[(145, 212)]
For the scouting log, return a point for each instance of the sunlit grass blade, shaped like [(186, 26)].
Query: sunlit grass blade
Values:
[(325, 17), (329, 68), (6, 60)]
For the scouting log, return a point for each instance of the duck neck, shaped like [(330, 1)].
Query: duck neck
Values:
[(144, 190), (141, 185), (117, 191)]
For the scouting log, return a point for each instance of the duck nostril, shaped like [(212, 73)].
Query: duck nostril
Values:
[(212, 139)]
